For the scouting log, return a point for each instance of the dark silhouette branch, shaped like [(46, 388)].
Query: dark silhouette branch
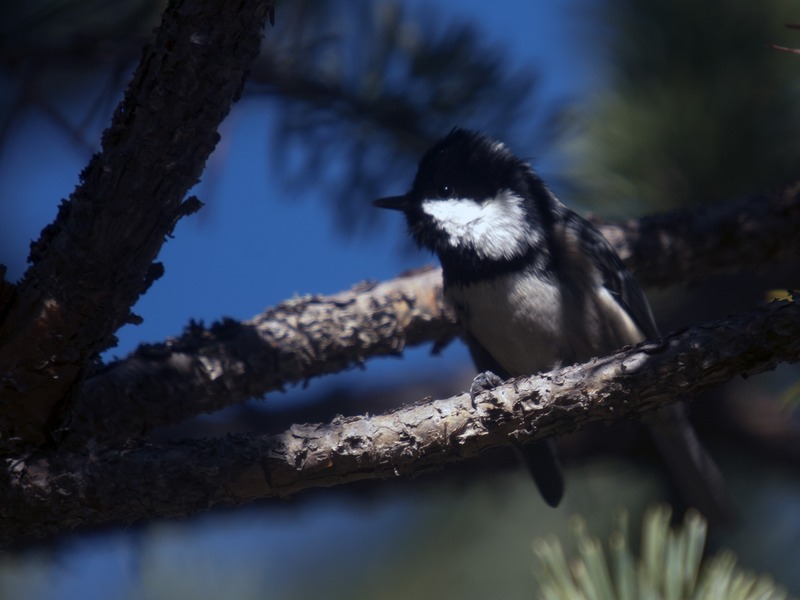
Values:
[(207, 369), (44, 493), (692, 244), (94, 261)]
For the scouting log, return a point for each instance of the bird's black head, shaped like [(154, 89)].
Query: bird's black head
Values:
[(473, 200)]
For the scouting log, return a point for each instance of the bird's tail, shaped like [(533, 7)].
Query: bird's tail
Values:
[(542, 462), (695, 473)]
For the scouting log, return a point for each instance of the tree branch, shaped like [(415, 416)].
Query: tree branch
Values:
[(43, 493), (690, 245), (91, 264), (207, 369)]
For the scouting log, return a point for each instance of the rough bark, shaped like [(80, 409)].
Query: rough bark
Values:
[(46, 492), (93, 262), (207, 369)]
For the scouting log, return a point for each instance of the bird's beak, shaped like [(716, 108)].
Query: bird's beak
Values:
[(392, 202)]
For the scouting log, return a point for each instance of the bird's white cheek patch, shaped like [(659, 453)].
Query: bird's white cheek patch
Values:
[(494, 229), (453, 215)]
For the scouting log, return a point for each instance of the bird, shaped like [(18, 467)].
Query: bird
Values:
[(534, 287)]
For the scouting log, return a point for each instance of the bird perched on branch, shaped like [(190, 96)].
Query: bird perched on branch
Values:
[(535, 286)]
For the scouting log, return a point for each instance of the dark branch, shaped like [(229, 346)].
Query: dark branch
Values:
[(95, 260), (207, 369), (690, 245), (47, 492)]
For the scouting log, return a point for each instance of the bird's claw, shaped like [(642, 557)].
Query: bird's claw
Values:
[(483, 382)]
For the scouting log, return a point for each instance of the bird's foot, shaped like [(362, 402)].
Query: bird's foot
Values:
[(483, 382)]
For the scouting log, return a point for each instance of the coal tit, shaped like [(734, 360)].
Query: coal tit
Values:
[(535, 286)]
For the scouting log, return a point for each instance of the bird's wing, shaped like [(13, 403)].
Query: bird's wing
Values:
[(615, 276)]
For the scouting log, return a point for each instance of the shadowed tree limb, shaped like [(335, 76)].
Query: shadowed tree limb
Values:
[(690, 245), (94, 261), (207, 369), (44, 493)]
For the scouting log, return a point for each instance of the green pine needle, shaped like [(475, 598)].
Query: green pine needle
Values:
[(670, 566)]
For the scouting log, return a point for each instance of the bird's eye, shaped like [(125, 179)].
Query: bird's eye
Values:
[(444, 191)]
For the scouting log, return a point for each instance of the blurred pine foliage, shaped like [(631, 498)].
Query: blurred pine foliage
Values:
[(670, 565)]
